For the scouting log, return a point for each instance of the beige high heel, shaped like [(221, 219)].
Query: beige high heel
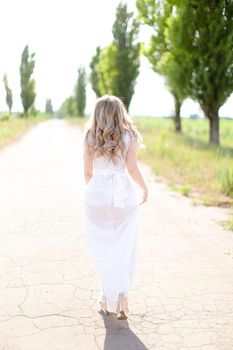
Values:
[(122, 307), (103, 303), (103, 307)]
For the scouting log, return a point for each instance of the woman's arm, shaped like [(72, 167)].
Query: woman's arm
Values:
[(132, 166), (88, 164)]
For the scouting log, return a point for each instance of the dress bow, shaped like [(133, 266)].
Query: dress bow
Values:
[(119, 186)]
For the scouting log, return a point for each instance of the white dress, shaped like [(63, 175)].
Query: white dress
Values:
[(111, 204)]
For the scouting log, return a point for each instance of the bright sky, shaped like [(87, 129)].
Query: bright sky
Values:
[(64, 34)]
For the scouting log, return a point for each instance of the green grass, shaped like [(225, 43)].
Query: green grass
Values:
[(13, 127), (188, 161), (183, 189), (230, 225), (76, 120)]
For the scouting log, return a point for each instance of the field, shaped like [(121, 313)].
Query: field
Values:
[(187, 161), (12, 127)]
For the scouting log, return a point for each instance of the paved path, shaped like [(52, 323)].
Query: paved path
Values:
[(183, 292)]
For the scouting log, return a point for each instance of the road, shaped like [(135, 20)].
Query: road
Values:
[(182, 296)]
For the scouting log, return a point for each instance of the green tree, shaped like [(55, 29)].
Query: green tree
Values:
[(125, 32), (108, 70), (94, 72), (202, 30), (27, 94), (80, 91), (115, 68), (199, 36), (161, 54), (48, 106), (9, 97), (68, 107), (176, 73)]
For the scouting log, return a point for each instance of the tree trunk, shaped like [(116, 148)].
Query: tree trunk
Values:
[(25, 112), (214, 128), (177, 119)]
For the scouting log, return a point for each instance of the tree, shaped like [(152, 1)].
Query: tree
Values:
[(94, 72), (125, 32), (48, 106), (80, 91), (176, 72), (205, 39), (115, 68), (27, 94), (108, 71), (68, 107), (199, 36), (9, 97), (161, 54)]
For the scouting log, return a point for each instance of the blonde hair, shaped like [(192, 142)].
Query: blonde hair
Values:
[(103, 133)]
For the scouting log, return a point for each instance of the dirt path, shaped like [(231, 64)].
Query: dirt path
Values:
[(182, 296)]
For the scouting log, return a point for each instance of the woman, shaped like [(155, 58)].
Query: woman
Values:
[(110, 144)]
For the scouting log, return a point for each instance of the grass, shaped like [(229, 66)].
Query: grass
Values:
[(77, 120), (188, 161), (230, 225), (13, 127), (192, 166), (183, 189)]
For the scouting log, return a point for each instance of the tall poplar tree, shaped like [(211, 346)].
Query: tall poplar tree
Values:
[(9, 97), (48, 106), (108, 71), (68, 107), (94, 79), (125, 32), (80, 91), (27, 83), (115, 68)]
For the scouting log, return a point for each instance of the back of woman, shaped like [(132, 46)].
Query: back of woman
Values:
[(111, 201)]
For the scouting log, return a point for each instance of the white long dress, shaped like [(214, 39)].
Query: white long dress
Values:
[(111, 203)]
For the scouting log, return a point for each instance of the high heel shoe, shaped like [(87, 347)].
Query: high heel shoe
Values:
[(103, 303), (103, 307), (122, 307)]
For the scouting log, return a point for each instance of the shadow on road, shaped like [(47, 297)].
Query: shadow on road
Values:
[(119, 335)]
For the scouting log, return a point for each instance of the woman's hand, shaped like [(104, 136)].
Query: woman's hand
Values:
[(132, 166), (144, 196), (88, 164), (88, 178)]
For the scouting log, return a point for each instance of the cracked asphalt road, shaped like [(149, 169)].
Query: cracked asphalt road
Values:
[(182, 297)]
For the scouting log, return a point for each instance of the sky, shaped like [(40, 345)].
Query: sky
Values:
[(64, 34)]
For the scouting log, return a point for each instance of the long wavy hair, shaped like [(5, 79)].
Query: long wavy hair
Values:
[(103, 133)]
